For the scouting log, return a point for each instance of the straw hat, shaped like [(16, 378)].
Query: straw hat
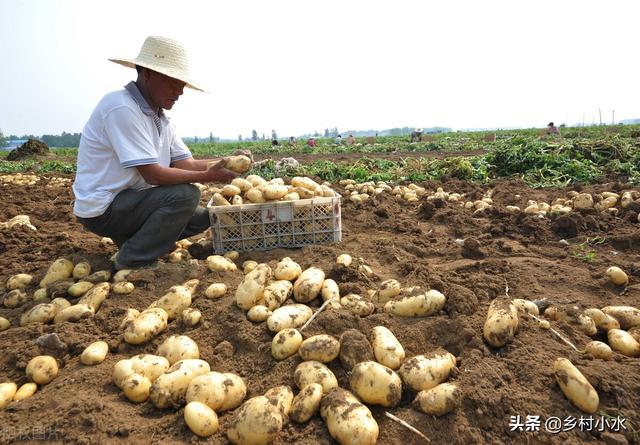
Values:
[(165, 56)]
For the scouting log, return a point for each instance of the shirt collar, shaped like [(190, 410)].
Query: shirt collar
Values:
[(137, 96)]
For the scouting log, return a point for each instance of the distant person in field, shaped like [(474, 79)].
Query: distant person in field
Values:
[(552, 129), (351, 140), (274, 138), (338, 140), (416, 135), (311, 142), (292, 141), (134, 174)]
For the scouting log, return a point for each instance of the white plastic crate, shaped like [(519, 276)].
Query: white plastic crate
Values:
[(276, 224)]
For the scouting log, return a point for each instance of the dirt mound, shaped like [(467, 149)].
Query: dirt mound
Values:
[(32, 147), (471, 258)]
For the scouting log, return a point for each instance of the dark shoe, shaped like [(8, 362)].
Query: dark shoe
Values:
[(118, 266)]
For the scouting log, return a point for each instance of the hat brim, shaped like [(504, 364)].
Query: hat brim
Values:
[(131, 63)]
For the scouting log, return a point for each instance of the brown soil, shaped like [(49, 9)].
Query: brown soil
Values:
[(416, 245)]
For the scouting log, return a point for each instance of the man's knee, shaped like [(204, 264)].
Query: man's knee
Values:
[(183, 193)]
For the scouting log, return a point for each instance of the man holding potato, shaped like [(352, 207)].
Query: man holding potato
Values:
[(134, 174)]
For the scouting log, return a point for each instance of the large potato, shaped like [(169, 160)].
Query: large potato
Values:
[(96, 296), (81, 270), (321, 348), (289, 316), (60, 269), (388, 290), (15, 298), (258, 313), (287, 269), (349, 422), (603, 321), (330, 290), (242, 184), (4, 324), (145, 326), (575, 386), (306, 404), (418, 304), (190, 317), (177, 299), (122, 370), (129, 315), (123, 288), (276, 293), (200, 419), (171, 387), (216, 290), (136, 387), (24, 392), (42, 369), (79, 289), (19, 281), (627, 316), (357, 305), (526, 306), (41, 313), (74, 313), (286, 343), (178, 347), (239, 163), (282, 398), (220, 264), (426, 371), (501, 323), (599, 350), (308, 285), (60, 304), (314, 372), (257, 422), (7, 392), (100, 276), (438, 400), (219, 391), (623, 342), (376, 384), (95, 353), (250, 291), (149, 365), (386, 347), (274, 192)]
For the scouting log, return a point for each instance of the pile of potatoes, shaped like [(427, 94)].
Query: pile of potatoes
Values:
[(176, 376), (601, 202), (19, 179), (57, 287), (141, 327), (58, 181), (620, 323), (374, 380), (40, 370), (263, 292), (254, 190), (361, 192)]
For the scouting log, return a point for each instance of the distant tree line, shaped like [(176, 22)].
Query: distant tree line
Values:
[(63, 140)]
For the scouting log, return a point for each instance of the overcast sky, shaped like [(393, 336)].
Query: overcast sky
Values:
[(299, 66)]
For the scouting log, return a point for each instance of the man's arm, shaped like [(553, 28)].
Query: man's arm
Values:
[(192, 164), (154, 174)]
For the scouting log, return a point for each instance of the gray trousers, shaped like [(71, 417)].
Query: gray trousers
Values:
[(145, 224)]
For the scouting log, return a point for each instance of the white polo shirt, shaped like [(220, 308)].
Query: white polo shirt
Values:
[(122, 133)]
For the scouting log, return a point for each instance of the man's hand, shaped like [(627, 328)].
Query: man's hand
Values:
[(246, 153), (217, 173)]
